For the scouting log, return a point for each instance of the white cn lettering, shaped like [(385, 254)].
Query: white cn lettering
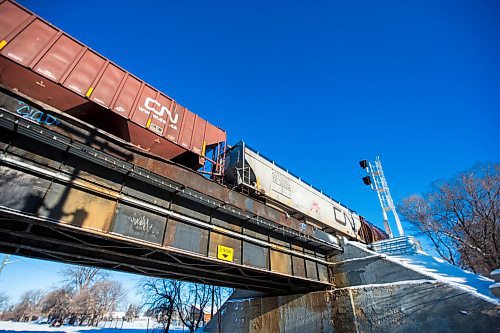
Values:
[(150, 105), (147, 105)]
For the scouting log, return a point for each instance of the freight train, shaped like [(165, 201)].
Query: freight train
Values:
[(250, 172), (43, 64)]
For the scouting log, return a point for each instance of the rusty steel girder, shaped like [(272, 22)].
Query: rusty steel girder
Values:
[(69, 201), (244, 206)]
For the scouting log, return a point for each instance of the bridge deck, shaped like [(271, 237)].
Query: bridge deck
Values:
[(61, 199)]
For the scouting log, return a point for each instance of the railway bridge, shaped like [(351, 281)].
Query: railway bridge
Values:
[(97, 168), (72, 193)]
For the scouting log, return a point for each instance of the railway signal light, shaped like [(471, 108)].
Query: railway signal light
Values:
[(377, 182)]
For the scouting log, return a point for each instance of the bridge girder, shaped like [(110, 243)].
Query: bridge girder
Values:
[(64, 200)]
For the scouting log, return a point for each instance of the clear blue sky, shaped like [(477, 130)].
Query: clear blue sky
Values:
[(318, 85)]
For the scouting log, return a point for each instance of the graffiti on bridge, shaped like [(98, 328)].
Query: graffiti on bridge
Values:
[(142, 224), (28, 112)]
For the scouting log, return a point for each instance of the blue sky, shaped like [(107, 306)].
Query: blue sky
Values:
[(315, 86)]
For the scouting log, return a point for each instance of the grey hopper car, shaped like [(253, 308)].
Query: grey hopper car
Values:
[(256, 175)]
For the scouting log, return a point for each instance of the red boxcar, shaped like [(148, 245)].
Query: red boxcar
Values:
[(42, 62)]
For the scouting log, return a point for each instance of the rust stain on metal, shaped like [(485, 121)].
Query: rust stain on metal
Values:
[(281, 262), (78, 208), (311, 313)]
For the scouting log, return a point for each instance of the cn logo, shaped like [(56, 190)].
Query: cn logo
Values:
[(153, 105)]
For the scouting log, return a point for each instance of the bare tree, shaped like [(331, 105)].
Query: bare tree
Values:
[(220, 295), (81, 277), (80, 307), (27, 308), (133, 312), (92, 304), (80, 281), (55, 304), (8, 314), (4, 300), (460, 218), (87, 297), (106, 295), (191, 304), (159, 296)]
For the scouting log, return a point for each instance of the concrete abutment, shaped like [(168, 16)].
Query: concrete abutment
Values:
[(374, 294)]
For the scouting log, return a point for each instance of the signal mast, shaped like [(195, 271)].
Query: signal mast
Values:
[(379, 185)]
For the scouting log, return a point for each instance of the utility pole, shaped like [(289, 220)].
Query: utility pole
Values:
[(212, 307), (377, 182)]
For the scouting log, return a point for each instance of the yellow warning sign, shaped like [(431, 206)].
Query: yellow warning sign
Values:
[(225, 253)]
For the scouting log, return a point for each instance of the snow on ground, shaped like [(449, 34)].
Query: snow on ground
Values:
[(440, 270), (107, 327)]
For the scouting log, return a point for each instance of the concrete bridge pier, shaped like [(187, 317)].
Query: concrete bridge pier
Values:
[(304, 313)]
